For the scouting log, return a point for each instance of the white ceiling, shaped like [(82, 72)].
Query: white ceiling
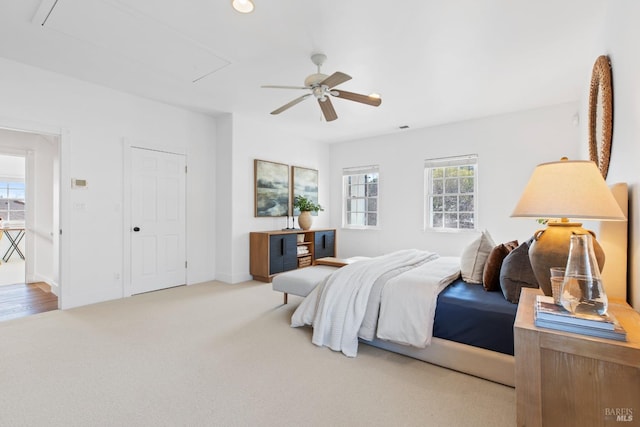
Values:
[(433, 62)]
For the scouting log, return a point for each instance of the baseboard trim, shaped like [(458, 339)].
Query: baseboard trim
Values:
[(53, 286)]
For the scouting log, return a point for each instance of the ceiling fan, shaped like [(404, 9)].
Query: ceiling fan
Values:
[(320, 86)]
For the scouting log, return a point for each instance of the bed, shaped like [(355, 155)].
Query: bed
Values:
[(472, 329), (425, 289), (472, 333)]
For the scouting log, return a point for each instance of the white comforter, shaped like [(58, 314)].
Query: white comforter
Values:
[(395, 294)]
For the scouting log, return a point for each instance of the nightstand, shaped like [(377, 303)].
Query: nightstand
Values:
[(565, 379)]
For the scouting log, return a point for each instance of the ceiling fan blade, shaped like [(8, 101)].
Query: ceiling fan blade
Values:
[(284, 87), (327, 109), (335, 79), (290, 104), (365, 99)]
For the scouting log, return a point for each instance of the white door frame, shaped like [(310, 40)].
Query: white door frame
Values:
[(128, 145), (61, 246)]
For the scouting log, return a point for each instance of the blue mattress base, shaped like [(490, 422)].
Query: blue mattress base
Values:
[(468, 314)]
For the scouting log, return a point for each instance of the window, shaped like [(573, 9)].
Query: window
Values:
[(360, 195), (12, 201), (450, 192)]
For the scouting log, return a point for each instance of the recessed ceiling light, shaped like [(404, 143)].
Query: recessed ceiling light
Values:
[(243, 6)]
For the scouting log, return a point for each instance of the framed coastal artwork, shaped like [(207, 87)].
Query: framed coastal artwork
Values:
[(304, 183), (271, 188)]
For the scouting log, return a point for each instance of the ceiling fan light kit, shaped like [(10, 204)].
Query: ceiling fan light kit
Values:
[(322, 86), (243, 6)]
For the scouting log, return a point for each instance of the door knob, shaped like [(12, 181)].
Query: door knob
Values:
[(136, 229)]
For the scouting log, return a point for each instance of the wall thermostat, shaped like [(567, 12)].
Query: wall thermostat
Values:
[(79, 183)]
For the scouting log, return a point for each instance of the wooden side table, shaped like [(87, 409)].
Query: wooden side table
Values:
[(565, 379), (332, 261), (338, 262)]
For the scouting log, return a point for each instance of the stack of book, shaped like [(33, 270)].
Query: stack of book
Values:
[(553, 316)]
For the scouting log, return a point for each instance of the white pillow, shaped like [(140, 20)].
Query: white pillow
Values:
[(474, 258)]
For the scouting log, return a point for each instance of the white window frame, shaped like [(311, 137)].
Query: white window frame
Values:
[(362, 171), (431, 165)]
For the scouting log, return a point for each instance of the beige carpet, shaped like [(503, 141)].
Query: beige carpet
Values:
[(219, 355)]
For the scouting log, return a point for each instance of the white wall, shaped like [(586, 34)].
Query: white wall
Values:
[(97, 120), (254, 140), (620, 44), (199, 137), (40, 215), (224, 201), (508, 148)]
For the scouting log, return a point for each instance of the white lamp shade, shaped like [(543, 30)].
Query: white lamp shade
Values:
[(568, 189)]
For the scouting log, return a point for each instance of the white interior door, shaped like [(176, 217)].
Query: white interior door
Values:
[(158, 227)]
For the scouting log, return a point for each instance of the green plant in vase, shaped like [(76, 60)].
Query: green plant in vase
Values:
[(305, 206)]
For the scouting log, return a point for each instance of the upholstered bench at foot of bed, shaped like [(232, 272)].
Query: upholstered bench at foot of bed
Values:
[(301, 281)]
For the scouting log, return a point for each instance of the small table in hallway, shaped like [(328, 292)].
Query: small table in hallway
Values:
[(14, 240)]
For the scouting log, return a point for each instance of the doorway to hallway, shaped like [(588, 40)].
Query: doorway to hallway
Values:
[(17, 297), (29, 206), (13, 209)]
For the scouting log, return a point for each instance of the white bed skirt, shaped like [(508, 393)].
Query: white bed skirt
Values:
[(487, 364)]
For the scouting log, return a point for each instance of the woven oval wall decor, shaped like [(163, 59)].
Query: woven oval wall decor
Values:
[(601, 114)]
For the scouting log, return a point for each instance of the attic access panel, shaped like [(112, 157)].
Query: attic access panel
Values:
[(125, 32)]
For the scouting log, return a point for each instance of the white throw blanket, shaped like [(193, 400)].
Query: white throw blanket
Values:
[(336, 307), (408, 302)]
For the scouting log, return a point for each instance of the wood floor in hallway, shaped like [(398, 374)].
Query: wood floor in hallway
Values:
[(25, 299)]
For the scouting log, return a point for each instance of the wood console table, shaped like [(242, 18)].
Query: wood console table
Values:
[(274, 252), (565, 379)]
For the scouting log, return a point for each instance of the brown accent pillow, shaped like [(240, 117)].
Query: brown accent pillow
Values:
[(491, 273)]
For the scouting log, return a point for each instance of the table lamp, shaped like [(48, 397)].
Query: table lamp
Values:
[(558, 191)]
